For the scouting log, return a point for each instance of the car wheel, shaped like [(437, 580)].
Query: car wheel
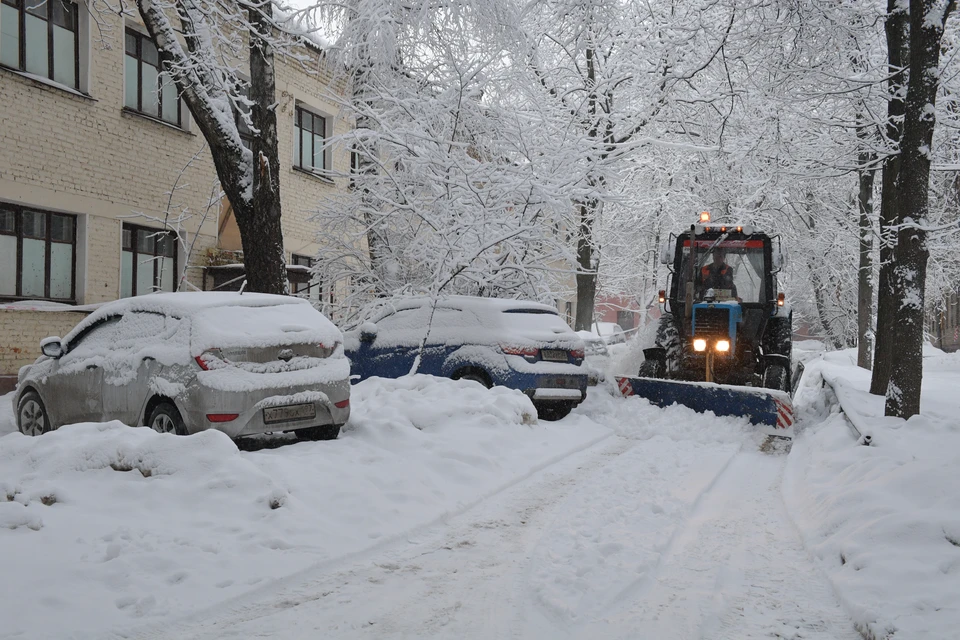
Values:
[(32, 417), (326, 432), (474, 377), (165, 418), (553, 411)]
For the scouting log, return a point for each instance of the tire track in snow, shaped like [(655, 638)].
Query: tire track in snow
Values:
[(395, 557), (737, 570)]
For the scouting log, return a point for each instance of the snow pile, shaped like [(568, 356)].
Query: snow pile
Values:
[(105, 527), (883, 520), (8, 420)]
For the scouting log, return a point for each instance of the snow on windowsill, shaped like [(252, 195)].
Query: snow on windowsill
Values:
[(127, 111), (49, 83), (47, 305), (314, 174)]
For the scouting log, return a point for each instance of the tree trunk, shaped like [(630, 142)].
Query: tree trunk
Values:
[(865, 284), (896, 30), (820, 296), (586, 272), (252, 187), (927, 18), (260, 230), (366, 168)]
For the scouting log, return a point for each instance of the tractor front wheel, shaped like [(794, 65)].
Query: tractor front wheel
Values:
[(651, 369)]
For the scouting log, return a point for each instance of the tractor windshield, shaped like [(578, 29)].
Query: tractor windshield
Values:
[(734, 269)]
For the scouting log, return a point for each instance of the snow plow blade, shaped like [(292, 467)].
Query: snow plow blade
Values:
[(761, 406)]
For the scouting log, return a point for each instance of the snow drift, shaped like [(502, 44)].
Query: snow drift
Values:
[(105, 527), (883, 520)]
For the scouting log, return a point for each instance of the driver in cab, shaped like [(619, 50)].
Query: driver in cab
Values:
[(718, 274)]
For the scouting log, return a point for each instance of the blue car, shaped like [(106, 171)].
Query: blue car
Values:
[(493, 341)]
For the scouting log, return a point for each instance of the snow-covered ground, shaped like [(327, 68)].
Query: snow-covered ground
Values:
[(103, 526), (445, 511), (883, 521)]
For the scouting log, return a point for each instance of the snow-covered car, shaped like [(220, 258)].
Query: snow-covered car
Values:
[(611, 332), (596, 357), (493, 341), (185, 362)]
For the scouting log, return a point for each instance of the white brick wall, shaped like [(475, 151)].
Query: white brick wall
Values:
[(22, 330), (85, 155)]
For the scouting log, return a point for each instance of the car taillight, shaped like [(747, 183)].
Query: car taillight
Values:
[(210, 359), (343, 404), (222, 417), (577, 353), (526, 352), (324, 351)]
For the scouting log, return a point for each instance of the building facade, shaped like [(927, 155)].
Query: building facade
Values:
[(107, 188)]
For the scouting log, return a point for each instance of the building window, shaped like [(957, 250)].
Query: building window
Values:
[(41, 37), (309, 143), (314, 289), (37, 254), (148, 261), (146, 88), (311, 289)]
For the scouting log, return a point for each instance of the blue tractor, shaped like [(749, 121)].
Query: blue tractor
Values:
[(724, 322)]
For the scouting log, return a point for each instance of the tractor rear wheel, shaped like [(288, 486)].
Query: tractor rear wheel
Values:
[(778, 336), (775, 377)]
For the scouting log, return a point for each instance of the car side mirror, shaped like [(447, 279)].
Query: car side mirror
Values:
[(51, 347), (368, 332)]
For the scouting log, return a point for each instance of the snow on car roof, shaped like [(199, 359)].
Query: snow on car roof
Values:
[(466, 303), (589, 335), (184, 304)]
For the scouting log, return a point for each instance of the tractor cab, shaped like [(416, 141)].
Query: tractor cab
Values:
[(722, 306)]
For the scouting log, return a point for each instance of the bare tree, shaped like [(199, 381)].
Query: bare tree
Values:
[(200, 58), (908, 286)]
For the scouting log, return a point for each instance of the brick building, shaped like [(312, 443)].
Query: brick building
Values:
[(99, 160)]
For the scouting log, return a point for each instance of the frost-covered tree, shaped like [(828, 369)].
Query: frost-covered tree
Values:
[(220, 57), (448, 194), (911, 252)]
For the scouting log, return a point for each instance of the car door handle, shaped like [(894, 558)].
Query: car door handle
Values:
[(149, 359), (92, 366)]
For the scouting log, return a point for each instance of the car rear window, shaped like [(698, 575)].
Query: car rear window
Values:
[(537, 324), (268, 326)]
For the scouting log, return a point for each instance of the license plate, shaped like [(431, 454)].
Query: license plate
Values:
[(554, 355), (289, 413), (559, 382)]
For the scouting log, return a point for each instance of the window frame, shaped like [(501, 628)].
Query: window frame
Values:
[(135, 261), (21, 8), (298, 111), (18, 211), (140, 61), (314, 286)]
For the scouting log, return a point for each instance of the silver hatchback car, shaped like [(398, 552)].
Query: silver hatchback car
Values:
[(184, 362)]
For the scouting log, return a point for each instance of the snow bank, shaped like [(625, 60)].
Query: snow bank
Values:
[(883, 520), (105, 527), (8, 421)]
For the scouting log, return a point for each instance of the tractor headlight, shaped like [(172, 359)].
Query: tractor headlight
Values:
[(723, 345), (699, 344)]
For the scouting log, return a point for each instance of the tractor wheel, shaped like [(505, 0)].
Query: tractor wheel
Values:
[(651, 369), (668, 337), (775, 377), (778, 337)]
